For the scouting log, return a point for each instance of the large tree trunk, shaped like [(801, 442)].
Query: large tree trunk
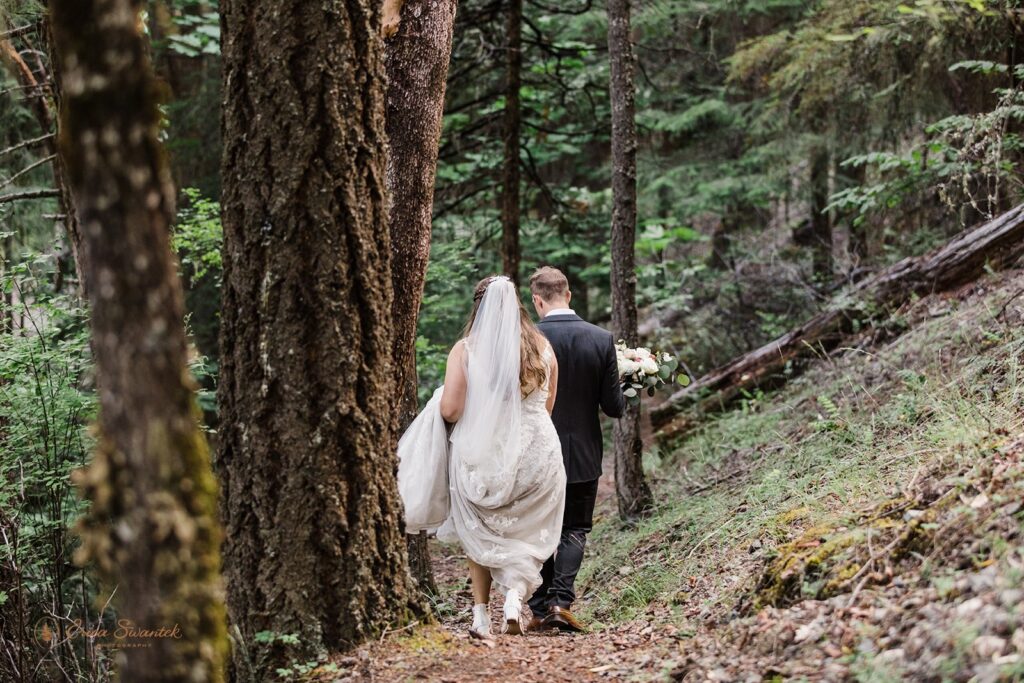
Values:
[(634, 495), (996, 244), (307, 458), (417, 67), (512, 131), (36, 92), (151, 529)]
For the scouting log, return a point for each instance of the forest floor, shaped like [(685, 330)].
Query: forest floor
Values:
[(863, 523)]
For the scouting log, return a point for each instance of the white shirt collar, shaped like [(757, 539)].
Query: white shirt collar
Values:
[(560, 311)]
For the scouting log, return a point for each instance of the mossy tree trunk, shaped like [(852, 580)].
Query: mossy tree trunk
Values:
[(314, 544), (634, 495), (151, 529), (417, 67)]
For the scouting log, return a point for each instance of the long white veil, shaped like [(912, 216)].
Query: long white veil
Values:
[(486, 439)]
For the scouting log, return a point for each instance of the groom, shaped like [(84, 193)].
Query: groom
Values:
[(588, 380)]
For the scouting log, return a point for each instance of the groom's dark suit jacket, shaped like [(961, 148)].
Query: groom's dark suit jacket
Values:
[(588, 380)]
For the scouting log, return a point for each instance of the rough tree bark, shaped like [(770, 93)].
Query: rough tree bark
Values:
[(634, 495), (512, 131), (152, 525), (995, 245), (39, 104), (314, 542), (417, 57)]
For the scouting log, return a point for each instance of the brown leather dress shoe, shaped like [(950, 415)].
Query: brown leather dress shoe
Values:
[(562, 619), (535, 624)]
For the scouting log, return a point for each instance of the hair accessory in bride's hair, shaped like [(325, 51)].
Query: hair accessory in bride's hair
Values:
[(479, 294)]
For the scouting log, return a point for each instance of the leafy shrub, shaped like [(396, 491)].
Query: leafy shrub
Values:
[(46, 401)]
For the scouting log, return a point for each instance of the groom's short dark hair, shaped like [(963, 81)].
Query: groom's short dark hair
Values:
[(548, 283)]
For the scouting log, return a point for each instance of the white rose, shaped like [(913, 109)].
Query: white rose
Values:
[(629, 353), (643, 353), (649, 366)]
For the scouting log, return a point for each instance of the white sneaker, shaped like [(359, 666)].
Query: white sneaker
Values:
[(481, 627), (513, 613)]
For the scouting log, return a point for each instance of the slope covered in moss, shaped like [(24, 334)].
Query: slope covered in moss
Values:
[(865, 522)]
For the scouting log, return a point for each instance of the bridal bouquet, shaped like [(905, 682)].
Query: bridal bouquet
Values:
[(642, 369)]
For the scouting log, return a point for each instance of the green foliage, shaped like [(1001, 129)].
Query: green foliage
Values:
[(193, 28), (198, 237), (972, 161), (19, 12), (46, 401)]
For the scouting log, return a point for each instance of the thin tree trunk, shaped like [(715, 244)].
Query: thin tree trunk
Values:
[(512, 130), (307, 453), (721, 240), (859, 247), (634, 495), (151, 528), (38, 103), (417, 66), (821, 226)]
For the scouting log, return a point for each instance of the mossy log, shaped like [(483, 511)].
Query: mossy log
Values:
[(994, 245)]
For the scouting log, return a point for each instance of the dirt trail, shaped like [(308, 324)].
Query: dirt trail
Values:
[(447, 652), (640, 649)]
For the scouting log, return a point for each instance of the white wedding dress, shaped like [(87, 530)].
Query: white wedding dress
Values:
[(498, 485), (514, 532)]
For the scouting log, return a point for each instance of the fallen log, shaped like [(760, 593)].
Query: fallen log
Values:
[(996, 244)]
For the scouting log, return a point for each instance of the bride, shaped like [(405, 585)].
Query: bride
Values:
[(506, 477)]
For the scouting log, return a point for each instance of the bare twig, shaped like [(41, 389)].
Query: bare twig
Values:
[(25, 143), (388, 631), (27, 169), (29, 194), (18, 31), (1006, 305)]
